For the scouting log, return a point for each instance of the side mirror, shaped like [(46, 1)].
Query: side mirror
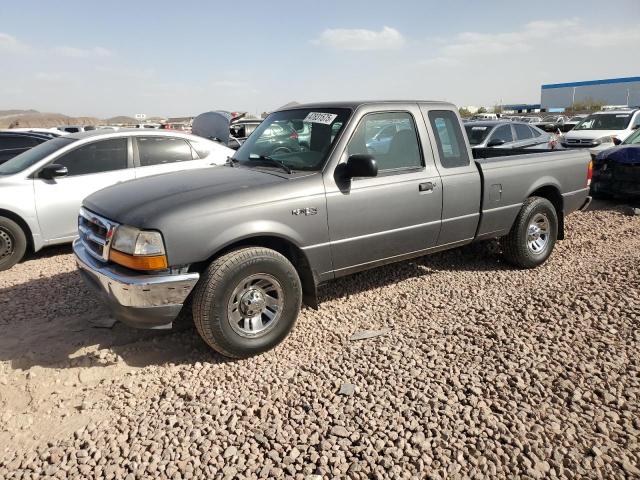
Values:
[(496, 142), (616, 141), (52, 171), (361, 165)]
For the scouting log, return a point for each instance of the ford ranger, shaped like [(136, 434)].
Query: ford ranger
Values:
[(240, 247)]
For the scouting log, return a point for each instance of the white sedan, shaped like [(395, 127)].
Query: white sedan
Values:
[(41, 190)]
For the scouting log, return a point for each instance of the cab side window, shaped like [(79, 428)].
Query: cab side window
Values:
[(391, 138), (96, 157), (451, 146)]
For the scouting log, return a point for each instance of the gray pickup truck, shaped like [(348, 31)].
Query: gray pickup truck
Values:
[(242, 246)]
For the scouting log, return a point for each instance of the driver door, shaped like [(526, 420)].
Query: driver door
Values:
[(91, 167), (396, 213)]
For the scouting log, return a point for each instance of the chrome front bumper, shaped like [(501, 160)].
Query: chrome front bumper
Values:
[(139, 300)]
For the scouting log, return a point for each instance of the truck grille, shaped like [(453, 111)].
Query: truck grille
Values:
[(578, 142), (96, 233)]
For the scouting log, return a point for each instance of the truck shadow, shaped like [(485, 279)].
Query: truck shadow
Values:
[(50, 321), (482, 256)]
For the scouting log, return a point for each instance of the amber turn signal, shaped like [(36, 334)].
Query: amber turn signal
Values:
[(139, 262)]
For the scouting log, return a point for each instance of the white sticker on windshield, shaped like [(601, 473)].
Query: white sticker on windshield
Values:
[(479, 128), (319, 117), (622, 116)]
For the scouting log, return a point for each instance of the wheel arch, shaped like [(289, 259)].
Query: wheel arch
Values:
[(285, 247), (22, 223), (552, 193)]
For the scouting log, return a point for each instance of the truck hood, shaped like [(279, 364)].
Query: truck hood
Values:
[(591, 134), (143, 201), (625, 154)]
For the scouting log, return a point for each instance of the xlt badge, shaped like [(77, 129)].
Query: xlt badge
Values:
[(304, 211)]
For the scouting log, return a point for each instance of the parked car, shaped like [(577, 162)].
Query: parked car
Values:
[(276, 138), (551, 123), (531, 119), (483, 116), (601, 130), (41, 190), (248, 244), (381, 141), (616, 171), (49, 132), (76, 128), (572, 122), (505, 134), (240, 130), (14, 143)]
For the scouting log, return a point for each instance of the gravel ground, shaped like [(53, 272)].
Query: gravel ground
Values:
[(480, 371)]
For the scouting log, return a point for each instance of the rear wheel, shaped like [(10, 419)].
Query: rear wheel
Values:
[(247, 301), (13, 243), (533, 235)]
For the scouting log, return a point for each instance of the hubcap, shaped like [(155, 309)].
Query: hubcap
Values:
[(255, 305), (6, 244), (538, 233)]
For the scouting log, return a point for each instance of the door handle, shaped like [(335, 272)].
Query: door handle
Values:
[(426, 187)]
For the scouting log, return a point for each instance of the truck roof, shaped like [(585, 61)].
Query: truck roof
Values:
[(354, 104)]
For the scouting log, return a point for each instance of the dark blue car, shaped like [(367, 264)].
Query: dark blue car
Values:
[(616, 171)]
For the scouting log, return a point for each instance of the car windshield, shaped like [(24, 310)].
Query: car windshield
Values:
[(477, 133), (633, 139), (34, 155), (549, 119), (275, 143), (605, 121)]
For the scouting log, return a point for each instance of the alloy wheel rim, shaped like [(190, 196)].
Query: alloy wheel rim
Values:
[(538, 233), (255, 305), (6, 244)]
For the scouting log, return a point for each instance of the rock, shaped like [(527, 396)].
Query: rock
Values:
[(230, 452), (339, 431), (366, 334), (347, 389), (630, 469), (102, 322)]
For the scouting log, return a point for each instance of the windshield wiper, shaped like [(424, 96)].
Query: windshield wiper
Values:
[(231, 161), (273, 161)]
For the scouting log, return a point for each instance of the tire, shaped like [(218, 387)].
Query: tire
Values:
[(237, 285), (13, 243), (520, 247)]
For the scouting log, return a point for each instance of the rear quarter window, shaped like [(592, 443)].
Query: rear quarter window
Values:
[(451, 146)]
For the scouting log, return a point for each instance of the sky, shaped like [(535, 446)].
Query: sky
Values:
[(186, 57)]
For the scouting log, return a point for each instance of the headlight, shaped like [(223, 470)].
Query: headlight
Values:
[(601, 140), (138, 249)]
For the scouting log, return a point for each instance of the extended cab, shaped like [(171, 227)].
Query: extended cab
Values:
[(244, 245)]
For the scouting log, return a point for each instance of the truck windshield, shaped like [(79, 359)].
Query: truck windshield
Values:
[(297, 139), (606, 121), (34, 155), (477, 133)]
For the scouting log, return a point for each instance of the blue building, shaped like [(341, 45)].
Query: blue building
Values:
[(612, 91)]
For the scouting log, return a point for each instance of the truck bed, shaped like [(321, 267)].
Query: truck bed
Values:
[(509, 176)]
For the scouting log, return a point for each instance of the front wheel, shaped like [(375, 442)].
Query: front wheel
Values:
[(533, 235), (247, 301), (13, 243)]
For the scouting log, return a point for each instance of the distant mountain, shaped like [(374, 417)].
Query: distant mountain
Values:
[(34, 118), (9, 113), (121, 119)]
